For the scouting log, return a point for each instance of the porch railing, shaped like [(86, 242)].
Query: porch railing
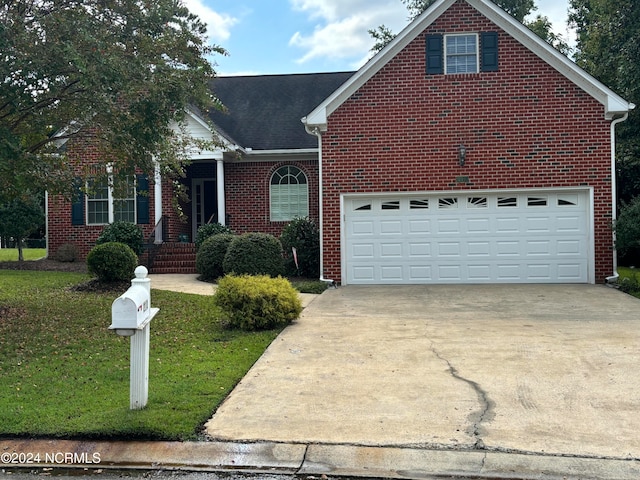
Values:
[(158, 236)]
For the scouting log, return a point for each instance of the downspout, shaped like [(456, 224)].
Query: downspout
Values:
[(316, 131), (614, 195)]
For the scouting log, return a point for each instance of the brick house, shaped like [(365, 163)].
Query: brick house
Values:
[(467, 151)]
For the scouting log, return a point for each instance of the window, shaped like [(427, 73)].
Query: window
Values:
[(390, 205), (537, 201), (448, 203), (507, 202), (106, 204), (289, 194), (477, 202), (461, 54), (419, 204)]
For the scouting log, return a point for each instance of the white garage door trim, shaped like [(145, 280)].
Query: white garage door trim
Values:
[(468, 236)]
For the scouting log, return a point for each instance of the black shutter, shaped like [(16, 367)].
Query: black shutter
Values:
[(490, 52), (435, 63), (142, 199), (77, 203)]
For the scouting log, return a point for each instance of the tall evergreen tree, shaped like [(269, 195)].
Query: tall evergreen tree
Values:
[(608, 47)]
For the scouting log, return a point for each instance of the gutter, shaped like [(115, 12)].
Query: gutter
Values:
[(614, 194), (318, 133)]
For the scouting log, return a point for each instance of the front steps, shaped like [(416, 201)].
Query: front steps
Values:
[(174, 257)]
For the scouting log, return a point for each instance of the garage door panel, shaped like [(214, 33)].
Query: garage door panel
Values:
[(479, 225), (419, 249), (390, 227), (468, 238), (393, 250), (363, 251), (449, 249), (362, 227), (448, 225)]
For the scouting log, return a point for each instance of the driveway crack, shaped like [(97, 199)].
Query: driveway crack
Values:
[(484, 413)]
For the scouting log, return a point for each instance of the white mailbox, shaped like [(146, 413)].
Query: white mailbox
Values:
[(131, 315), (131, 310)]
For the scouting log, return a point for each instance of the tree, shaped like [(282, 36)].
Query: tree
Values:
[(518, 9), (123, 69), (19, 218), (608, 47)]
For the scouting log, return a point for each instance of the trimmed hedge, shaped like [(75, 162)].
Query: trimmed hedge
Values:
[(257, 302), (303, 235), (112, 262), (210, 256), (209, 230), (123, 232), (254, 254)]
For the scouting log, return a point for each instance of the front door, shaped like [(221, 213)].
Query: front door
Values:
[(203, 203)]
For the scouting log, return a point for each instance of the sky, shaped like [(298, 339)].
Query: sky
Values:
[(309, 36)]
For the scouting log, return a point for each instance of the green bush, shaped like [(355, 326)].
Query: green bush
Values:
[(211, 254), (627, 229), (257, 302), (112, 262), (303, 235), (123, 232), (209, 230), (254, 254)]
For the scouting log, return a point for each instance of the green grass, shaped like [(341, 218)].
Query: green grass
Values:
[(629, 280), (11, 254), (64, 374)]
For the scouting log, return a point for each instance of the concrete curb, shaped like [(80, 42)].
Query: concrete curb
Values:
[(330, 460)]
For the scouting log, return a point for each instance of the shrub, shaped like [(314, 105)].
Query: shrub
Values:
[(68, 252), (211, 254), (123, 232), (257, 302), (112, 262), (303, 235), (627, 229), (209, 230), (254, 254)]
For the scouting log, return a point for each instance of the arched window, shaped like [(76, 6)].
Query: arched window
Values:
[(289, 194)]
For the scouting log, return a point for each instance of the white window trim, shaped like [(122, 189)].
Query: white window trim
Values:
[(477, 52), (110, 202)]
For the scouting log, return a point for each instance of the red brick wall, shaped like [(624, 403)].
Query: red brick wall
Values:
[(523, 126), (81, 153), (247, 201), (247, 195)]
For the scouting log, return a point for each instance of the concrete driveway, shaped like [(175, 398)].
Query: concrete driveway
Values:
[(549, 369)]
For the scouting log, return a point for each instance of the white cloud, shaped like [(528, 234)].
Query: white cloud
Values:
[(218, 24), (342, 29)]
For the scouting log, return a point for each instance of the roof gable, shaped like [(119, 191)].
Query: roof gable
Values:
[(263, 112), (614, 105)]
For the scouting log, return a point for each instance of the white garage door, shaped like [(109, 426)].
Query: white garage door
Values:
[(467, 237)]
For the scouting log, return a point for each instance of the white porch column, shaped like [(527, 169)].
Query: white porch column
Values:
[(220, 189), (157, 195)]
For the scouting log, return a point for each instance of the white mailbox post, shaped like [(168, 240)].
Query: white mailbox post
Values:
[(131, 314)]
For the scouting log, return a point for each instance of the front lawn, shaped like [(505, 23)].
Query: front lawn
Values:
[(11, 254), (63, 374)]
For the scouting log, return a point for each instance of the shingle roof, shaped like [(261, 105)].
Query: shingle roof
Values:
[(264, 112)]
